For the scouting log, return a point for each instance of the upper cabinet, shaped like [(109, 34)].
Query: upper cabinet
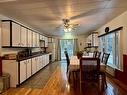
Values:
[(46, 41), (24, 37), (92, 40), (29, 39), (17, 35)]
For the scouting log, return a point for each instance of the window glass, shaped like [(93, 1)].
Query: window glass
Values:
[(109, 47)]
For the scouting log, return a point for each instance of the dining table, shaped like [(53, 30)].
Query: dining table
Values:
[(75, 62)]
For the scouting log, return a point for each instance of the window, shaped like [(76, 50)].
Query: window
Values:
[(111, 44)]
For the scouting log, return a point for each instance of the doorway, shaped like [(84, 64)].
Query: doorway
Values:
[(68, 45)]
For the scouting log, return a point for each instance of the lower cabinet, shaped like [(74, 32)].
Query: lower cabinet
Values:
[(28, 68), (22, 71), (25, 70), (34, 65)]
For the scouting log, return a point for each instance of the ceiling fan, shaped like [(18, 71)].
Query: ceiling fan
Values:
[(67, 26)]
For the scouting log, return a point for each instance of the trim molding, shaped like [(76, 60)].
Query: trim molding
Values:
[(120, 28)]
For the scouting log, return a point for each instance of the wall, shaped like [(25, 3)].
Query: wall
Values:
[(119, 21)]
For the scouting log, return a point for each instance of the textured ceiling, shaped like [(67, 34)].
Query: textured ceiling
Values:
[(46, 15)]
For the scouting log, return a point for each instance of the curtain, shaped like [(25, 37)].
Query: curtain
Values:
[(75, 47), (58, 49)]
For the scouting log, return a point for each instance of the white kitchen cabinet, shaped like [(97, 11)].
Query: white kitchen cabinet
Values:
[(5, 31), (28, 65), (43, 57), (23, 37), (16, 34), (34, 65), (38, 63), (46, 42), (93, 39), (29, 40), (34, 39), (41, 37), (23, 70), (47, 59), (37, 40)]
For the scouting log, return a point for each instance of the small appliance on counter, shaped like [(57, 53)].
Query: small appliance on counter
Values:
[(24, 53), (10, 56)]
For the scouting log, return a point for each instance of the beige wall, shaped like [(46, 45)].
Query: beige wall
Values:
[(119, 21)]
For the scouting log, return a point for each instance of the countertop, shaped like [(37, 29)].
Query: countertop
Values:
[(35, 54)]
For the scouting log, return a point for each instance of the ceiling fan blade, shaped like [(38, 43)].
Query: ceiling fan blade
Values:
[(88, 13)]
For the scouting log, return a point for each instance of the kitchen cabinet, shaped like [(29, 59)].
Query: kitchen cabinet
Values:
[(34, 65), (23, 70), (38, 63), (34, 39), (37, 35), (46, 42), (29, 40), (23, 36), (92, 40), (16, 34), (28, 66)]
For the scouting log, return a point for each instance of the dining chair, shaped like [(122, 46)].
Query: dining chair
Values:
[(102, 71), (88, 71), (96, 54), (70, 69)]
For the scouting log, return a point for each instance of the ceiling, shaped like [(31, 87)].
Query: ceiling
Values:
[(46, 15)]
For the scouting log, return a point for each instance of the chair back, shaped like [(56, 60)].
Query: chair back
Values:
[(88, 67), (96, 54), (67, 59), (105, 58)]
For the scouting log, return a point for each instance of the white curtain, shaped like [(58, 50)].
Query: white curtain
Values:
[(58, 49), (75, 47)]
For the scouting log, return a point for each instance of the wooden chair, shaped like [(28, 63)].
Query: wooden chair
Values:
[(96, 54), (102, 71), (88, 71), (70, 70)]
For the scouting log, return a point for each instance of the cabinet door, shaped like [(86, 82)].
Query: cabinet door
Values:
[(37, 35), (22, 71), (34, 39), (15, 34), (42, 61), (5, 31), (46, 42), (29, 41), (38, 64), (34, 66), (23, 37), (28, 65)]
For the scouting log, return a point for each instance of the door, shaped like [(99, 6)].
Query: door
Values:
[(68, 45), (22, 71)]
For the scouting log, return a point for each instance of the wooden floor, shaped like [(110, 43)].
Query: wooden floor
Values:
[(58, 85)]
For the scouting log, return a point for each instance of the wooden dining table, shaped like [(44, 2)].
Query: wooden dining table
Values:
[(75, 62)]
